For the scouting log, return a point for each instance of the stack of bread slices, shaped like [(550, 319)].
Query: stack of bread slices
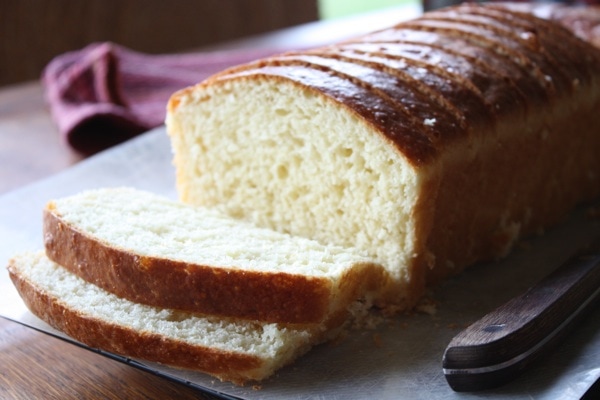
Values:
[(358, 173), (134, 273)]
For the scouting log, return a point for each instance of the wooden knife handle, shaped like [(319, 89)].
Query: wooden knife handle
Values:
[(495, 349)]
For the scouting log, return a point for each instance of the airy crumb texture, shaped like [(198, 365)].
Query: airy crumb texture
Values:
[(269, 345), (314, 170), (150, 225)]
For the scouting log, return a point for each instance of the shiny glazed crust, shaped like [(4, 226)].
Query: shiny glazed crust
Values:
[(467, 67)]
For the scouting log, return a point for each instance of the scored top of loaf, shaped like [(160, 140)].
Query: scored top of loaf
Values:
[(426, 82)]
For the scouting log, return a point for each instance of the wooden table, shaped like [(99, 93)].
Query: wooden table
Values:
[(35, 365)]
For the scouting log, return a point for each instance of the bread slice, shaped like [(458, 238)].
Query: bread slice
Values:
[(431, 145), (155, 251), (232, 350)]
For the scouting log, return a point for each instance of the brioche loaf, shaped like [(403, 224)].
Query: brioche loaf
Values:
[(401, 157), (159, 252), (232, 350), (430, 146)]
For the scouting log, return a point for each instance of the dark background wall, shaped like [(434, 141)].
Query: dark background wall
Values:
[(32, 32)]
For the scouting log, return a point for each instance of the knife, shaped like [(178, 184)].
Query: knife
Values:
[(498, 347)]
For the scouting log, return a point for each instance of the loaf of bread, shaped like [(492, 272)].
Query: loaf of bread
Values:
[(429, 146), (159, 252), (231, 350), (364, 170)]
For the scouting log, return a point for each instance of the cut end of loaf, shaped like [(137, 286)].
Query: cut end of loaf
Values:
[(294, 160)]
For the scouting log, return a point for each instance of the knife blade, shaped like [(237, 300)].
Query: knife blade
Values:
[(498, 347)]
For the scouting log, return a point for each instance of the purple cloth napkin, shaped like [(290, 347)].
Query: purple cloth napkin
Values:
[(105, 94)]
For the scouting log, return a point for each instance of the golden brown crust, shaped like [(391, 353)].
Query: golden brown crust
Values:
[(269, 297), (122, 340), (532, 171), (547, 173)]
